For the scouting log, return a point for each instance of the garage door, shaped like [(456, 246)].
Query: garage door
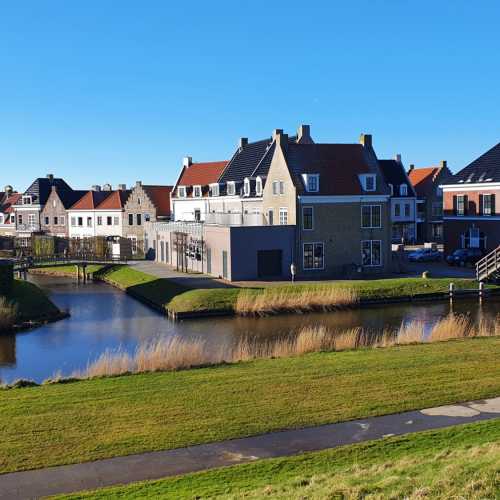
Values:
[(269, 263)]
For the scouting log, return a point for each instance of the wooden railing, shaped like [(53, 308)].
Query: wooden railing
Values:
[(488, 265)]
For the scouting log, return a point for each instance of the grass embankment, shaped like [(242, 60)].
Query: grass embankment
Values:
[(67, 270), (458, 462), (99, 418), (26, 303)]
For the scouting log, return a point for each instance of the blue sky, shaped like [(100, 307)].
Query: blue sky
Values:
[(116, 91)]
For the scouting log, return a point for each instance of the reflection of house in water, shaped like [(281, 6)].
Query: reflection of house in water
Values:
[(7, 350)]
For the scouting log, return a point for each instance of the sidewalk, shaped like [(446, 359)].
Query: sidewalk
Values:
[(155, 465)]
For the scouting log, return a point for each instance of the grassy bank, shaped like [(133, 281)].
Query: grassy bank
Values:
[(459, 462), (88, 420), (67, 270), (25, 303)]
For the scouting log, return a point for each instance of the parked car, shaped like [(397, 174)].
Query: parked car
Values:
[(424, 255), (464, 256)]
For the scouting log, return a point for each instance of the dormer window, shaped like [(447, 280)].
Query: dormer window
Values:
[(311, 182), (26, 200), (181, 191), (403, 190), (258, 186), (197, 191), (214, 189), (369, 182), (231, 188), (246, 187)]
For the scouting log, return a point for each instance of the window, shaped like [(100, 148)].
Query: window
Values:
[(138, 218), (403, 190), (461, 205), (487, 204), (371, 216), (80, 221), (197, 191), (397, 209), (231, 188), (307, 218), (116, 221), (371, 253), (31, 219), (99, 220), (258, 186), (89, 221), (61, 220), (47, 221), (197, 214), (407, 209), (130, 219), (311, 182), (19, 219), (109, 221), (283, 216), (12, 219), (275, 187), (282, 187), (369, 182), (391, 188), (214, 190), (138, 201), (73, 221), (147, 217), (181, 191), (313, 256), (133, 243), (270, 217), (246, 187), (56, 220), (26, 200)]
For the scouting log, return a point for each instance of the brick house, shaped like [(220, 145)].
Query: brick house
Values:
[(53, 218), (144, 204), (472, 204), (7, 215), (29, 207), (403, 201), (284, 200), (426, 182)]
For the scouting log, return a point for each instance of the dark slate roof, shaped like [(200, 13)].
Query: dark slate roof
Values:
[(41, 188), (338, 166), (69, 198), (394, 173), (485, 169)]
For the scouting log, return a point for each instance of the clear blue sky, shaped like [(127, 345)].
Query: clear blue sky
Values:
[(115, 91)]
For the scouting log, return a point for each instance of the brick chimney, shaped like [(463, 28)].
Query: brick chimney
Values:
[(138, 183), (50, 177), (412, 167), (122, 187), (304, 134), (366, 140), (443, 163), (280, 138), (96, 187), (398, 158), (242, 142), (187, 161)]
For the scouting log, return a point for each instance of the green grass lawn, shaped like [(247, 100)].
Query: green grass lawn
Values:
[(65, 270), (87, 420), (32, 303), (458, 462)]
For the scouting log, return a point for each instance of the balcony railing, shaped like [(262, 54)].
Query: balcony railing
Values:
[(235, 219), (29, 228)]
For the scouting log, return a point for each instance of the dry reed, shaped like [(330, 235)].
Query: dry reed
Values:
[(272, 300), (8, 314), (176, 353)]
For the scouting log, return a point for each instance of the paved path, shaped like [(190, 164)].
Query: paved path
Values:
[(155, 465)]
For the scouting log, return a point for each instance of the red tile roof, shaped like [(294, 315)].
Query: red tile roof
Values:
[(115, 201), (422, 178), (160, 196), (202, 173), (91, 200), (7, 207)]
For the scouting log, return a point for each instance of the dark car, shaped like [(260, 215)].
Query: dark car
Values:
[(424, 255), (464, 256)]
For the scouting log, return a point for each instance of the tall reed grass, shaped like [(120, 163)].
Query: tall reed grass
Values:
[(272, 300), (8, 314), (177, 353)]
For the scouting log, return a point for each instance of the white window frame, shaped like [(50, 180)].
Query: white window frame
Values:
[(62, 220), (246, 187), (283, 214), (73, 221), (312, 218), (371, 253), (313, 243), (371, 226), (197, 192), (403, 190), (364, 182), (258, 186), (31, 219), (214, 189), (307, 182), (275, 187), (27, 200), (483, 211), (282, 187), (461, 197), (181, 191), (231, 188)]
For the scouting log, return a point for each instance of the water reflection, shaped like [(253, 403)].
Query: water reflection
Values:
[(105, 318)]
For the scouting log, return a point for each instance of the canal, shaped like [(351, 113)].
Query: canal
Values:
[(104, 318)]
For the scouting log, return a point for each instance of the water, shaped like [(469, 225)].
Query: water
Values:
[(103, 317)]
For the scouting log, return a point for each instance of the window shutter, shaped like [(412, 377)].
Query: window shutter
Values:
[(455, 204), (480, 208), (493, 202), (466, 204)]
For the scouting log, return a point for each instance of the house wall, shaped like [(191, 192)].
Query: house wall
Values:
[(54, 209), (403, 226), (138, 203), (338, 227), (473, 196), (183, 209), (24, 228), (94, 229), (278, 171)]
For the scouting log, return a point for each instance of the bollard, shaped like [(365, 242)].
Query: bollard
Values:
[(481, 291), (452, 291)]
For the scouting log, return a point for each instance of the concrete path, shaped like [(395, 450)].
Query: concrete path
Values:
[(155, 465)]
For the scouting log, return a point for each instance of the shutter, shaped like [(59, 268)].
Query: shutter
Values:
[(480, 208), (455, 204), (493, 202), (466, 204)]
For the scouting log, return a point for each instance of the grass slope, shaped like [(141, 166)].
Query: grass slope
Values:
[(458, 462), (87, 420), (68, 270)]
